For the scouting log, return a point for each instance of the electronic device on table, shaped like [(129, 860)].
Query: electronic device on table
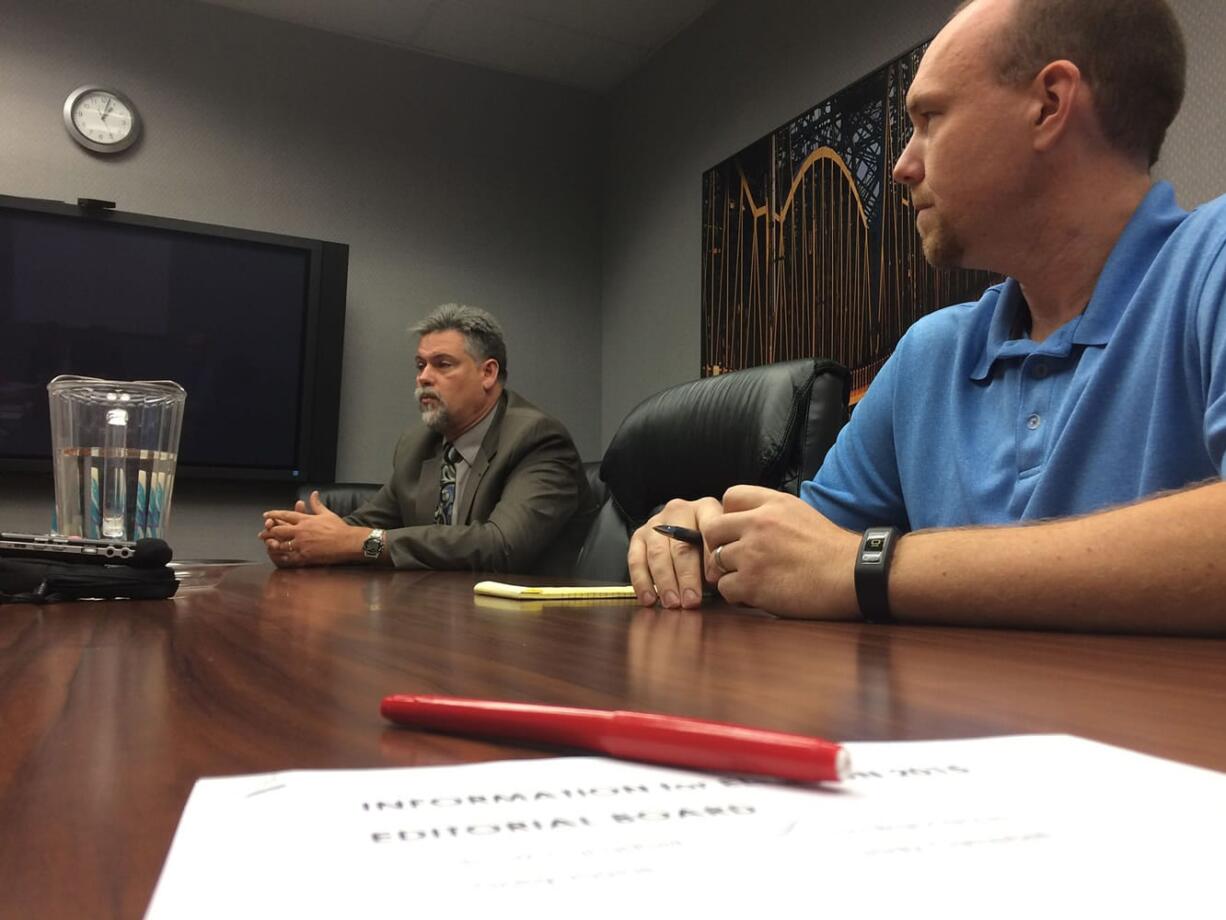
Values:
[(141, 554)]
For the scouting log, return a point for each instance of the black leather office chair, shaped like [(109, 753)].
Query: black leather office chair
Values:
[(600, 492), (342, 497), (768, 426)]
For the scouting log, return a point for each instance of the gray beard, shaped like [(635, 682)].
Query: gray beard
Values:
[(436, 419)]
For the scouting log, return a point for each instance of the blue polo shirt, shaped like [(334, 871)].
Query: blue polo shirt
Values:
[(968, 424)]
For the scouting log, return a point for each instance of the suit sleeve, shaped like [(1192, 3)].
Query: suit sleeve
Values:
[(536, 475), (382, 509)]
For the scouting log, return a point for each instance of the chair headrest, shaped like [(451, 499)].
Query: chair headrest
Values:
[(747, 426)]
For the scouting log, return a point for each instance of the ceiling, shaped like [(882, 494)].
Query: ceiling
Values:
[(589, 44)]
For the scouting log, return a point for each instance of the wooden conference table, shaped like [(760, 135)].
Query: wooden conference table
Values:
[(109, 712)]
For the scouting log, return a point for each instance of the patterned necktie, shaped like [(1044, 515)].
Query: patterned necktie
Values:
[(446, 492)]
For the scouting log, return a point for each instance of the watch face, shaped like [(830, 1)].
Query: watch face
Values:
[(101, 120), (372, 547)]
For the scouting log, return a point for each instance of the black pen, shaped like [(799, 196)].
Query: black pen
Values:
[(684, 534)]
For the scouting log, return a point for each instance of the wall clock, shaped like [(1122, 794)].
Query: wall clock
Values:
[(102, 120)]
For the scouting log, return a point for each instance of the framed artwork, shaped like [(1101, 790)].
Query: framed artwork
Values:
[(809, 247)]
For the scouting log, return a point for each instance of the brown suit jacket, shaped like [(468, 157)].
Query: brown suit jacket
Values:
[(525, 505)]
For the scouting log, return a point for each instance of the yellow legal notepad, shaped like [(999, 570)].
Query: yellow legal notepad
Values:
[(566, 593)]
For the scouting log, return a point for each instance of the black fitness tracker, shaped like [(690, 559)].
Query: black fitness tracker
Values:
[(873, 573)]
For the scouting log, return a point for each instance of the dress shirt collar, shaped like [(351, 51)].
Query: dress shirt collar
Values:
[(469, 443)]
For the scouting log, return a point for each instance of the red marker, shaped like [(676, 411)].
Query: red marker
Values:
[(671, 740)]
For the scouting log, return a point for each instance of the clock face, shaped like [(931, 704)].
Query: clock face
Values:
[(101, 120)]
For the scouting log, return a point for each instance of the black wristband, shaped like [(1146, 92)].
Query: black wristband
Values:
[(873, 573)]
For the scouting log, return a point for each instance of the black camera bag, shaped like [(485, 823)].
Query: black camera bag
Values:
[(45, 581)]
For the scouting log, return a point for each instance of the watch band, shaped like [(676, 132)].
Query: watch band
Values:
[(873, 573), (372, 546)]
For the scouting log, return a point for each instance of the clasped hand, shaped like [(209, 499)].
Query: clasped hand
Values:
[(775, 552), (310, 535)]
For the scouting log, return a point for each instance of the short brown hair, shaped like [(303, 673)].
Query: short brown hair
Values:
[(1130, 52)]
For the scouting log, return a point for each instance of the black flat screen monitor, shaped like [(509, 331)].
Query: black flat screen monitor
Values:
[(250, 324)]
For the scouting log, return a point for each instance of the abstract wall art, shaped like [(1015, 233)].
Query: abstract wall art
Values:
[(809, 247)]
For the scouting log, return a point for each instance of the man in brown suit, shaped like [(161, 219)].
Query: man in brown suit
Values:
[(488, 482)]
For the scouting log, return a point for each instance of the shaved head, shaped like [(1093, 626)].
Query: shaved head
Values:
[(1130, 53)]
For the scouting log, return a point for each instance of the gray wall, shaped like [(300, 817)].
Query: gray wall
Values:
[(448, 182), (1192, 154), (745, 68)]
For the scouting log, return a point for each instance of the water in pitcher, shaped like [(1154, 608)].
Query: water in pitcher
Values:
[(114, 493), (115, 444)]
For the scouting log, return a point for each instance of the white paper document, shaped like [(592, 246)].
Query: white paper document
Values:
[(1026, 826)]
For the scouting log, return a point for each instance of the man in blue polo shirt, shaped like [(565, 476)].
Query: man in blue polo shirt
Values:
[(1084, 398)]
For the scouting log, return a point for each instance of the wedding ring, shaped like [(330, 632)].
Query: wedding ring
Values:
[(289, 546), (719, 563)]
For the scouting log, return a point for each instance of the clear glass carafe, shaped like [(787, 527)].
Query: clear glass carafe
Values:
[(115, 444)]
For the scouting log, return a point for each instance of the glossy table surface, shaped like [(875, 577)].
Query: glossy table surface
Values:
[(110, 711)]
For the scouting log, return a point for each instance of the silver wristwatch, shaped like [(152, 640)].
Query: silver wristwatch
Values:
[(372, 546)]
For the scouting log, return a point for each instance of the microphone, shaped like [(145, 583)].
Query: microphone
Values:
[(150, 553)]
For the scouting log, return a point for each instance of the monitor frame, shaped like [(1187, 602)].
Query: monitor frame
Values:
[(323, 340)]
